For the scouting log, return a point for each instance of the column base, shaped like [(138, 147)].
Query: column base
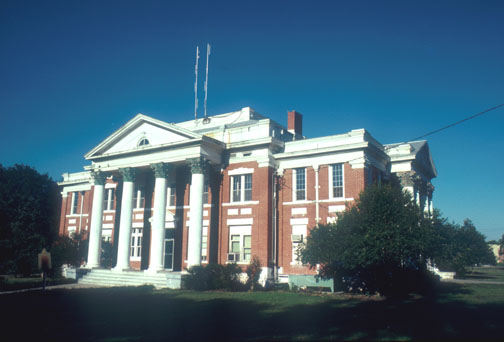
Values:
[(154, 270), (91, 267), (121, 269)]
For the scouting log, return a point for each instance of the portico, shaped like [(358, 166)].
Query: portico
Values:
[(160, 152)]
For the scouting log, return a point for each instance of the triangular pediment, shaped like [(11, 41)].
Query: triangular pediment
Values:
[(141, 133), (424, 161)]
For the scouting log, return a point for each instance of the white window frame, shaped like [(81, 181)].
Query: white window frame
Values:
[(206, 189), (74, 208), (242, 232), (171, 191), (138, 196), (242, 190), (331, 176), (204, 244), (136, 244), (297, 230), (295, 187), (108, 204)]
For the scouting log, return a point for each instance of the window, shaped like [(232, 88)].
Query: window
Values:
[(241, 188), (172, 190), (300, 184), (143, 142), (139, 198), (136, 244), (204, 244), (108, 202), (205, 191), (240, 244), (337, 180), (298, 237), (75, 201)]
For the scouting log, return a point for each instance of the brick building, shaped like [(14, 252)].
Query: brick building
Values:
[(224, 189)]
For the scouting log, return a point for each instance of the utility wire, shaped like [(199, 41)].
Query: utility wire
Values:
[(450, 125)]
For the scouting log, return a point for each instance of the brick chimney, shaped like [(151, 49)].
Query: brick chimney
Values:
[(295, 122)]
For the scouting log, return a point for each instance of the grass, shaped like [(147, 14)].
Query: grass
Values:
[(455, 311), (11, 283), (485, 273)]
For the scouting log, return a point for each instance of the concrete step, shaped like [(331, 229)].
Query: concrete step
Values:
[(132, 278)]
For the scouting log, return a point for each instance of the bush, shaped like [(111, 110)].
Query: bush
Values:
[(214, 277), (375, 246), (254, 272)]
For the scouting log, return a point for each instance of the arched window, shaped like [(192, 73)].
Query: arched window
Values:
[(143, 142)]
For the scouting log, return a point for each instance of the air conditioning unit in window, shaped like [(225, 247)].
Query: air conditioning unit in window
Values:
[(297, 237), (233, 257)]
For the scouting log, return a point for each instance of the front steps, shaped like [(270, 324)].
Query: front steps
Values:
[(101, 277)]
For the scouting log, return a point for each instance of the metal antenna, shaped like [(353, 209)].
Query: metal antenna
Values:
[(196, 85), (206, 81)]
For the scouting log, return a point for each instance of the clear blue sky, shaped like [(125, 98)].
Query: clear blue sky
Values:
[(73, 72)]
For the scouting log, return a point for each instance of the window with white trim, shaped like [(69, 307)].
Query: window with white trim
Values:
[(204, 245), (298, 238), (139, 198), (241, 188), (299, 184), (170, 195), (143, 142), (136, 244), (108, 202), (75, 201), (205, 190), (240, 244), (336, 183)]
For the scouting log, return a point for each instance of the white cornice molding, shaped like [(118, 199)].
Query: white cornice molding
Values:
[(325, 150)]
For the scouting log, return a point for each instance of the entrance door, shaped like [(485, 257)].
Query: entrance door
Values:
[(168, 254)]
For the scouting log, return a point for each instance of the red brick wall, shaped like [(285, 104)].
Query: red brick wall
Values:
[(261, 212), (354, 183)]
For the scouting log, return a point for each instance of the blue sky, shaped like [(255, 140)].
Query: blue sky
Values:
[(73, 72)]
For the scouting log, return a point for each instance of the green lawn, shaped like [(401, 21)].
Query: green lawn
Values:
[(142, 314), (10, 283), (485, 273)]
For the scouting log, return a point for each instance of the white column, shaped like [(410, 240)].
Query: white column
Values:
[(159, 218), (124, 241), (95, 232), (196, 208)]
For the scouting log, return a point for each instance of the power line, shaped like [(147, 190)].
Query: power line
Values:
[(456, 123)]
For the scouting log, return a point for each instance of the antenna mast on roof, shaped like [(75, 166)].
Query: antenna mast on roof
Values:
[(196, 85), (205, 120)]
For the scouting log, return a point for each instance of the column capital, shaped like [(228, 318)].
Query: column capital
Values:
[(409, 178), (198, 165), (98, 177), (128, 173), (430, 189), (161, 169)]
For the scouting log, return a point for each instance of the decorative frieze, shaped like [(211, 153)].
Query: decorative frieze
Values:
[(128, 173)]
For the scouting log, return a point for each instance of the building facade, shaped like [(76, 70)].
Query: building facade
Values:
[(225, 189)]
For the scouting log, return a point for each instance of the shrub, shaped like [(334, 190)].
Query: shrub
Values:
[(254, 272), (214, 277)]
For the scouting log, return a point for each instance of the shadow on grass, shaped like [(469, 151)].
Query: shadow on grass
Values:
[(136, 314)]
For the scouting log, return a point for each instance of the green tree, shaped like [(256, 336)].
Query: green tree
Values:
[(379, 245), (458, 247), (29, 206)]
